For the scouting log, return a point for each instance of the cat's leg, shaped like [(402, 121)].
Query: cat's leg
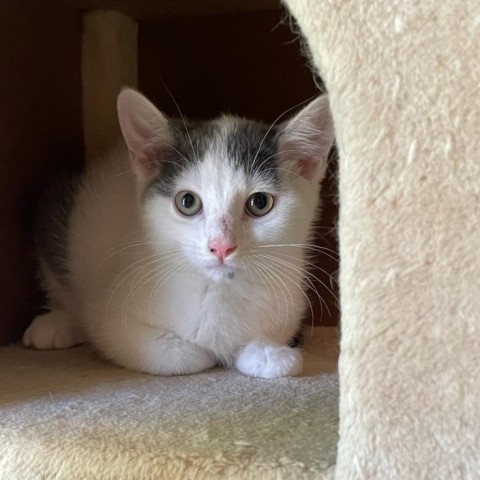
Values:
[(156, 351), (269, 361), (53, 330)]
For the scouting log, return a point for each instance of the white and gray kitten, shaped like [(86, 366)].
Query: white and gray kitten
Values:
[(184, 248)]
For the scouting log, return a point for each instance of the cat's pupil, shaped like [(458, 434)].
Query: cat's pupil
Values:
[(188, 200), (259, 201)]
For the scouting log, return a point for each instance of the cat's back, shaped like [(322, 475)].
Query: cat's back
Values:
[(52, 223), (105, 210), (106, 191), (82, 215)]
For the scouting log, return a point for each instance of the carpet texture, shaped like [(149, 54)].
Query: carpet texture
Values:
[(404, 83), (70, 415)]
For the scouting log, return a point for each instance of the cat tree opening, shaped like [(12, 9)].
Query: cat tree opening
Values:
[(248, 63), (68, 410)]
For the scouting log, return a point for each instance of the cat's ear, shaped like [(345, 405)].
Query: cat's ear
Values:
[(146, 132), (306, 140)]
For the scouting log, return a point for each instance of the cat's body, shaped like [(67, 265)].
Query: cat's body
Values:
[(167, 259)]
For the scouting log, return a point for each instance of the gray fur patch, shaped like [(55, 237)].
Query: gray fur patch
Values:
[(249, 146), (253, 148), (52, 223), (190, 145)]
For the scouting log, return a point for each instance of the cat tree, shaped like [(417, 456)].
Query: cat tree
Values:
[(403, 79)]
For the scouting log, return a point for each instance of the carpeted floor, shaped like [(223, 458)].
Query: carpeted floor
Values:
[(70, 415)]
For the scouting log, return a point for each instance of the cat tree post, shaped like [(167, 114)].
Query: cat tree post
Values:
[(403, 79), (109, 62)]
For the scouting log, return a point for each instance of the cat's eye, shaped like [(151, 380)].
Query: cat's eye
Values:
[(259, 204), (188, 203)]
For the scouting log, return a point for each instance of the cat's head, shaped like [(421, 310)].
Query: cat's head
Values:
[(219, 194)]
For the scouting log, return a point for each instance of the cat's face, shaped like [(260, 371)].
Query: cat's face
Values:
[(220, 195), (219, 206)]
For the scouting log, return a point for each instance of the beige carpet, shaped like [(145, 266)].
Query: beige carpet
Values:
[(70, 415)]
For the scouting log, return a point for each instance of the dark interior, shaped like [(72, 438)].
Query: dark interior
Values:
[(246, 63)]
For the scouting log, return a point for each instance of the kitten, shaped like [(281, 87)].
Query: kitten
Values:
[(183, 248)]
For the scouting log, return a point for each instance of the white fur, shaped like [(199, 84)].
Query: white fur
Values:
[(53, 330), (148, 292), (269, 361)]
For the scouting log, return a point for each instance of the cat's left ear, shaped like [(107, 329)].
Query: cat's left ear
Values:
[(306, 140), (146, 132)]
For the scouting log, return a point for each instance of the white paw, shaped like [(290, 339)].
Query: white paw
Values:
[(269, 361), (51, 331)]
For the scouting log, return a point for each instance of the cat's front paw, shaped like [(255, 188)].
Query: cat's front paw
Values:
[(269, 361), (53, 330)]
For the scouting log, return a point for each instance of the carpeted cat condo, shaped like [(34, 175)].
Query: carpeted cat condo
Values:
[(404, 84)]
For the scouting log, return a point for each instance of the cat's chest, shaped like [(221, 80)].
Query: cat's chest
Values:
[(213, 315)]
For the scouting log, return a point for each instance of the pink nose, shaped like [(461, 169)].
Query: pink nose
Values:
[(222, 249)]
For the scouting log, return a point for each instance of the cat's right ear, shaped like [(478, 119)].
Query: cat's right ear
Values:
[(146, 132)]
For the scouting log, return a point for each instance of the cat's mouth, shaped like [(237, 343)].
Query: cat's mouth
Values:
[(221, 271)]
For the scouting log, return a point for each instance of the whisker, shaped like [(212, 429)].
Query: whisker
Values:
[(306, 246), (123, 247), (121, 278), (157, 256), (164, 160), (172, 260), (131, 243), (269, 283), (275, 121), (305, 280), (194, 153), (303, 245), (310, 284), (257, 169), (176, 151), (279, 287), (304, 272), (274, 272), (276, 268), (161, 282), (123, 172), (159, 270), (310, 264), (118, 280), (291, 172)]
